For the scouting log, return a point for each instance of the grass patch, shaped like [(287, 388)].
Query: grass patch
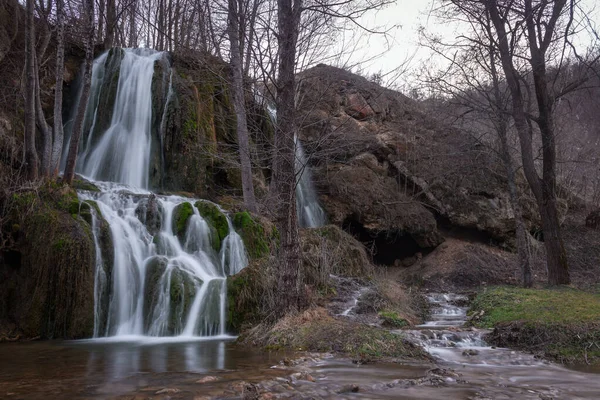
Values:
[(559, 323), (316, 330), (561, 305)]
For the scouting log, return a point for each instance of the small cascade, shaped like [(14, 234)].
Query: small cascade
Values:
[(446, 337), (167, 279), (310, 213)]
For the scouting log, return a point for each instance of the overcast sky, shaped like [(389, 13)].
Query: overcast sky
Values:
[(402, 41)]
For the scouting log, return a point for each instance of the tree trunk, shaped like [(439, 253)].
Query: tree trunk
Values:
[(132, 25), (58, 132), (42, 126), (543, 189), (240, 107), (523, 248), (85, 94), (31, 158), (111, 24), (556, 257), (101, 20), (522, 236), (284, 176)]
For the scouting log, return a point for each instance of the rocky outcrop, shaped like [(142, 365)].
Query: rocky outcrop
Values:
[(47, 275), (391, 174)]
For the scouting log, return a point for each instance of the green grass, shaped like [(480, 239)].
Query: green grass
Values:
[(559, 305), (561, 324)]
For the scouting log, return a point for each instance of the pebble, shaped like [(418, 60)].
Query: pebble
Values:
[(207, 379), (348, 389), (168, 391)]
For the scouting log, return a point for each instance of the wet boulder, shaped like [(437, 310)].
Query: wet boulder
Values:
[(149, 211), (216, 220), (258, 234), (181, 217)]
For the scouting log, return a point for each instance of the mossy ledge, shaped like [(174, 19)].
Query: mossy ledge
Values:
[(561, 324), (181, 216), (47, 288), (259, 235), (316, 330), (217, 221)]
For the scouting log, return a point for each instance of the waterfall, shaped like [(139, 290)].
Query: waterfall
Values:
[(120, 153), (169, 264), (309, 211)]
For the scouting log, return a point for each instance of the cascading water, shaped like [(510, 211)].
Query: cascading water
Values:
[(169, 264), (121, 152), (310, 213)]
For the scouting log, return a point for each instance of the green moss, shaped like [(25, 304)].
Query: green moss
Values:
[(216, 220), (181, 292), (559, 323), (257, 239), (243, 299), (315, 330), (392, 319), (82, 184), (560, 305), (56, 274), (181, 216)]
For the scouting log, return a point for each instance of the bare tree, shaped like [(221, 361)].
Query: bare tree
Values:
[(58, 131), (31, 158), (540, 20), (235, 24), (476, 99), (87, 81), (284, 176)]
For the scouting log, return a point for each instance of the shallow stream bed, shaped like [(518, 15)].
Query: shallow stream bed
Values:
[(466, 368)]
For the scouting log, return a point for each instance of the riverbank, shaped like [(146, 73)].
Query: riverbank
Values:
[(559, 324)]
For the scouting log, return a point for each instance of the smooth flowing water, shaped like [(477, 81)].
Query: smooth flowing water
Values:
[(160, 282), (121, 152), (161, 267), (494, 373), (309, 211)]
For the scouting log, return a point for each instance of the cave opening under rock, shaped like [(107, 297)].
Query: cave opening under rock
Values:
[(387, 248)]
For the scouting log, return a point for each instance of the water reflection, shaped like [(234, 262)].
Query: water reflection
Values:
[(91, 368), (116, 361)]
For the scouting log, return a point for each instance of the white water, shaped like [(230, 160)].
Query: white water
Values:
[(158, 284), (121, 152), (309, 211), (161, 285)]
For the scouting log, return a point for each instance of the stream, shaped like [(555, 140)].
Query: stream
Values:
[(171, 368)]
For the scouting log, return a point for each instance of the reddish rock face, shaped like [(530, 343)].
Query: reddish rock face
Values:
[(357, 107)]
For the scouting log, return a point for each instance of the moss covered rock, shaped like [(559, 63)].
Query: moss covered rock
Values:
[(244, 294), (181, 217), (315, 330), (216, 220), (47, 290), (258, 234), (180, 294), (88, 210), (182, 291)]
